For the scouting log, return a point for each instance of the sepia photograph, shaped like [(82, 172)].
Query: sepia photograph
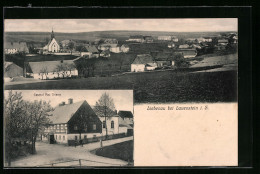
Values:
[(162, 60), (68, 128)]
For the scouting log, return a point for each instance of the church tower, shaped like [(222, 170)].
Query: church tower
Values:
[(52, 34)]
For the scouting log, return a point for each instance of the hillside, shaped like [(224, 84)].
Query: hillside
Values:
[(91, 36)]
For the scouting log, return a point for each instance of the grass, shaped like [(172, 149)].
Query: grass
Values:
[(164, 86), (123, 151)]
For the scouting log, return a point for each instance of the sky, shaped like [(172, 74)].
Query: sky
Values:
[(87, 25), (123, 99)]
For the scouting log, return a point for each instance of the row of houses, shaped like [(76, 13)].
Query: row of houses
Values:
[(74, 121), (149, 39), (149, 62)]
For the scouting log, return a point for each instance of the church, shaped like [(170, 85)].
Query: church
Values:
[(52, 45)]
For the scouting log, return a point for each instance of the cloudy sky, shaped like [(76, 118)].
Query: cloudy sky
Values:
[(123, 99), (86, 25)]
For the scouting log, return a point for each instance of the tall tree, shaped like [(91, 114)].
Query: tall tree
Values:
[(38, 116), (13, 118), (105, 107), (71, 46)]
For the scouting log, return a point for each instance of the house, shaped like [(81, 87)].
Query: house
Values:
[(164, 59), (91, 51), (223, 41), (52, 69), (12, 70), (97, 41), (106, 46), (189, 53), (175, 39), (52, 45), (15, 47), (110, 41), (105, 53), (171, 45), (168, 38), (71, 122), (143, 62), (148, 39), (126, 122), (115, 49), (185, 46), (201, 39), (136, 38), (125, 48), (208, 39)]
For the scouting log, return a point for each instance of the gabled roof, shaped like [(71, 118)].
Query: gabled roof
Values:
[(62, 114), (21, 46), (49, 66), (92, 49), (143, 59), (125, 114)]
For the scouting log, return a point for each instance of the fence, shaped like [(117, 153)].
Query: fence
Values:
[(81, 163)]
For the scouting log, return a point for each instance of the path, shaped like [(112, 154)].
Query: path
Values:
[(53, 153)]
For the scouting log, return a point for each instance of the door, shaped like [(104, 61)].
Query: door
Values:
[(51, 139)]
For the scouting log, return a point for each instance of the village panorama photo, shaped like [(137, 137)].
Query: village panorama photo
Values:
[(162, 60), (68, 128)]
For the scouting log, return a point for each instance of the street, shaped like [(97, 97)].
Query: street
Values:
[(47, 154)]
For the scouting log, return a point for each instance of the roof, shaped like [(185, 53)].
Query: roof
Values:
[(99, 114), (189, 52), (108, 45), (143, 59), (105, 52), (50, 66), (62, 114), (6, 64), (125, 123), (125, 114), (21, 46), (92, 49)]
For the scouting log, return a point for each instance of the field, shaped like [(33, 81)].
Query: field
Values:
[(123, 151), (91, 36), (164, 86)]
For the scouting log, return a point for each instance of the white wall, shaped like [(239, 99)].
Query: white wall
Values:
[(137, 67), (110, 131), (89, 135)]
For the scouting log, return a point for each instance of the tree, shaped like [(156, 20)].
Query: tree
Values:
[(13, 118), (62, 69), (71, 46), (38, 115), (105, 107), (44, 71)]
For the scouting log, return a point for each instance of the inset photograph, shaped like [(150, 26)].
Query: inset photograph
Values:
[(68, 128)]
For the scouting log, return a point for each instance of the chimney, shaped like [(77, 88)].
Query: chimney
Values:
[(62, 104), (70, 101)]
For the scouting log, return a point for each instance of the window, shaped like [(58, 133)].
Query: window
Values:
[(61, 126), (85, 137), (59, 137), (112, 124), (63, 137), (55, 126), (56, 137), (76, 137), (58, 126), (104, 124), (94, 127), (75, 127)]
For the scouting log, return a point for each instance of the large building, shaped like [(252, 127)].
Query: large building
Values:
[(143, 62), (52, 69), (52, 46), (15, 47), (136, 38), (72, 122)]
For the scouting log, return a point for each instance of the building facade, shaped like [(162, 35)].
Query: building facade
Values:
[(52, 46)]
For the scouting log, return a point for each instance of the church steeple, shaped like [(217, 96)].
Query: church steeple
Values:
[(52, 34)]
